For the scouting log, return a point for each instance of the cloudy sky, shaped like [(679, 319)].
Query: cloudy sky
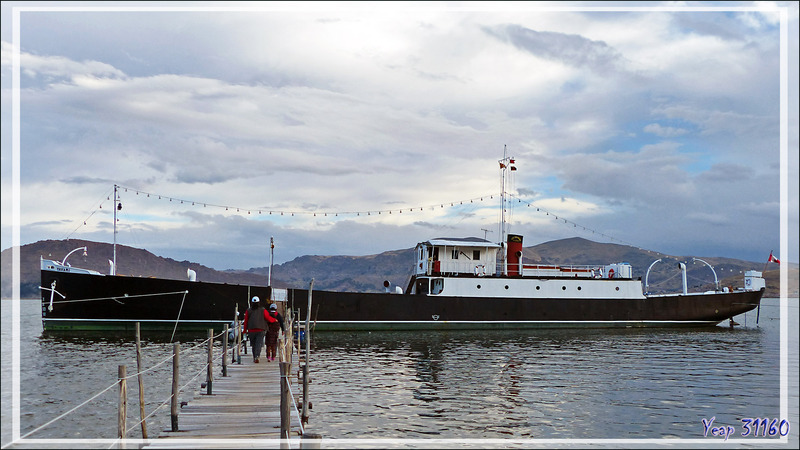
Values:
[(352, 129)]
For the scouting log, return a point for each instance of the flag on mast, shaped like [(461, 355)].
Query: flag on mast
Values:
[(773, 259)]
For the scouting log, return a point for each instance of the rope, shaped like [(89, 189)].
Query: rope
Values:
[(199, 372), (177, 319), (294, 404), (71, 410), (666, 280), (288, 383), (168, 358), (118, 297)]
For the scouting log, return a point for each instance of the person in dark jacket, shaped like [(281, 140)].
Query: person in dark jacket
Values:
[(255, 325), (273, 327)]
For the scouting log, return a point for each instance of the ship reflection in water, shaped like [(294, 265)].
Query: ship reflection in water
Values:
[(545, 384)]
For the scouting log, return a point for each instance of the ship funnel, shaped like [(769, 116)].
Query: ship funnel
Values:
[(514, 254)]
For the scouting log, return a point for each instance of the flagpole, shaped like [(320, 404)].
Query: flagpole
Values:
[(769, 260)]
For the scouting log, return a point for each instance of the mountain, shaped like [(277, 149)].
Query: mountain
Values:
[(130, 261), (347, 273), (368, 273)]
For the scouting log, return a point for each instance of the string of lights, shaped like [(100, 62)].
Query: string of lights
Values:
[(361, 213), (284, 212), (574, 224), (94, 211)]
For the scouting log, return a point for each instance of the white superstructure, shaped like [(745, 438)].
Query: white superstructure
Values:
[(468, 268)]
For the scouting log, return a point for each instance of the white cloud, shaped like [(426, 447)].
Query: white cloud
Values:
[(377, 109), (660, 131)]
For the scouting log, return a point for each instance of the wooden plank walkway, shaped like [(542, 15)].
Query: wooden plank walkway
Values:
[(243, 410)]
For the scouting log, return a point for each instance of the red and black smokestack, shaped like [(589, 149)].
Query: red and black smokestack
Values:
[(514, 252)]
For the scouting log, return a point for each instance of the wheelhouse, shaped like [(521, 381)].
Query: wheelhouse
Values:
[(454, 257)]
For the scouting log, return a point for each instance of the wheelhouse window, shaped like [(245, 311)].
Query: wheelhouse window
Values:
[(455, 253), (437, 286), (476, 255), (422, 286)]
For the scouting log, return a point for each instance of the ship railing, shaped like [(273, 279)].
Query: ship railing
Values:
[(565, 271), (480, 268), (458, 267)]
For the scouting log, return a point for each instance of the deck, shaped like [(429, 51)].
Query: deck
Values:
[(243, 411)]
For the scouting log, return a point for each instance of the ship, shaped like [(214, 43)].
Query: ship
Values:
[(455, 283)]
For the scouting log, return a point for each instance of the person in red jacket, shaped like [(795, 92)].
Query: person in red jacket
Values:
[(275, 323), (255, 325)]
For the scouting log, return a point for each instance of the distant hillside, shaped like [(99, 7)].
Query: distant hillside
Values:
[(367, 273), (665, 276), (347, 273), (130, 261)]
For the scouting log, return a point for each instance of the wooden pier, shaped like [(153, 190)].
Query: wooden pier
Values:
[(243, 411)]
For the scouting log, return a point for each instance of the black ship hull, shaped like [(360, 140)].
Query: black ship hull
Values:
[(118, 302), (102, 302), (354, 311)]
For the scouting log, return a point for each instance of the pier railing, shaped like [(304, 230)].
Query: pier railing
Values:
[(230, 350)]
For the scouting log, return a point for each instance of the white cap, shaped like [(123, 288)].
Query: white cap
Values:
[(273, 306), (255, 299)]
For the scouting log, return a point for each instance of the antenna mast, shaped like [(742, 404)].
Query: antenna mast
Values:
[(502, 195), (271, 255), (117, 205), (507, 163)]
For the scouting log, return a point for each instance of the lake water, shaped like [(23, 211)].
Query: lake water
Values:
[(550, 387)]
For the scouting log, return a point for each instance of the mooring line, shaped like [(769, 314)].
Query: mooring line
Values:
[(177, 319)]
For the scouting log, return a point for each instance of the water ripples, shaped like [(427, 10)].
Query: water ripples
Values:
[(554, 384), (541, 384)]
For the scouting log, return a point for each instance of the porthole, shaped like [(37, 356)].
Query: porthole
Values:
[(538, 287), (506, 286), (479, 286), (563, 288), (579, 288), (617, 287)]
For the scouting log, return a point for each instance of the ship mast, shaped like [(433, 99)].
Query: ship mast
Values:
[(503, 164), (271, 256), (117, 205), (507, 163)]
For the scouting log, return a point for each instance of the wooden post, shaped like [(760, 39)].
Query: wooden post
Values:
[(225, 351), (286, 418), (237, 338), (141, 381), (299, 338), (310, 441), (304, 418), (209, 371), (122, 410), (176, 351)]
